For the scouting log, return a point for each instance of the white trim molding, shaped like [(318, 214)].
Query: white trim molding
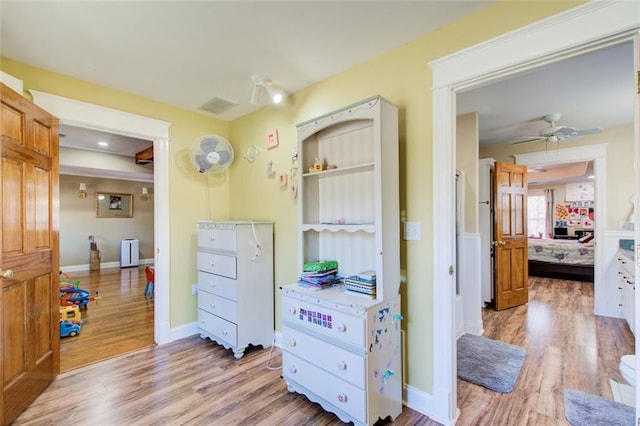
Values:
[(579, 30), (90, 116), (471, 285)]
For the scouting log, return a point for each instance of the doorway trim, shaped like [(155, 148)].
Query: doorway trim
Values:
[(582, 29), (81, 114)]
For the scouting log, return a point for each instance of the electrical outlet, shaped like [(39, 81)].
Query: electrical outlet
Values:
[(412, 231), (194, 289)]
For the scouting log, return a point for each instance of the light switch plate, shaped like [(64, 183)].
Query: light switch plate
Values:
[(412, 231)]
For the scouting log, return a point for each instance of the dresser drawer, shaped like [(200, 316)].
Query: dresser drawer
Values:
[(340, 393), (340, 362), (218, 327), (217, 305), (217, 239), (217, 284), (217, 264), (331, 323)]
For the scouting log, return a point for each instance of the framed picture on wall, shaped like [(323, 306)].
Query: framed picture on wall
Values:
[(109, 204)]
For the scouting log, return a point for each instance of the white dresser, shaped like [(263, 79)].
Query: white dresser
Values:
[(626, 286), (235, 283), (342, 349), (343, 355)]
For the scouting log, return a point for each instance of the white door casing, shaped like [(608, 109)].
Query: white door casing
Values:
[(81, 114), (582, 29)]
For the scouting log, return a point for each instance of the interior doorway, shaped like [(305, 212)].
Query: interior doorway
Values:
[(92, 116), (576, 31)]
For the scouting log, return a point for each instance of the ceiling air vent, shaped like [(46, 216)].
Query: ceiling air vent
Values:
[(218, 105)]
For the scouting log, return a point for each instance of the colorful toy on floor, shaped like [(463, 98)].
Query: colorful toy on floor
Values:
[(149, 287), (70, 313), (71, 294), (70, 321), (69, 329)]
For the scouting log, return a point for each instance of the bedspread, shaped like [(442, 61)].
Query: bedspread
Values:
[(568, 252)]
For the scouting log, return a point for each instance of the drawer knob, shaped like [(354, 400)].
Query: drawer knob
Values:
[(342, 365), (292, 310), (292, 342), (225, 332), (341, 327), (342, 397), (212, 263), (212, 305), (293, 369), (212, 238), (212, 283)]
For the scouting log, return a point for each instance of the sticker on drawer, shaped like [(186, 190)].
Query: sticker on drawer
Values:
[(347, 328)]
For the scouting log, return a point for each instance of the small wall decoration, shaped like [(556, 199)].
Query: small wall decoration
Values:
[(272, 138), (109, 204)]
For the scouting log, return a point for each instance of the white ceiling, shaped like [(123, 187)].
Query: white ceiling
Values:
[(591, 90), (186, 53)]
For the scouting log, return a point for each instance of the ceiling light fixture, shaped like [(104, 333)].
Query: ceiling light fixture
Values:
[(82, 191), (102, 143), (260, 83)]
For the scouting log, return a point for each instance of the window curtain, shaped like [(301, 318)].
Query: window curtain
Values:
[(548, 218)]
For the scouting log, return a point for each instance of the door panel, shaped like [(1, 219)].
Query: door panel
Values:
[(29, 234), (510, 245)]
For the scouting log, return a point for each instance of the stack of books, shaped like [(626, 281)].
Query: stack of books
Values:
[(319, 278), (361, 284)]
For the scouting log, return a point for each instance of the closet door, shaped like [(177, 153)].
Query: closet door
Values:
[(29, 255)]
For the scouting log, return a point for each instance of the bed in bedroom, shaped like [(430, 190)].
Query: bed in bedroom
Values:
[(568, 259)]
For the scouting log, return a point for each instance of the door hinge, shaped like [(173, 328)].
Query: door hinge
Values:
[(638, 81)]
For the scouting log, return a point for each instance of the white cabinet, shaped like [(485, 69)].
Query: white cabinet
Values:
[(235, 283), (626, 287), (343, 350)]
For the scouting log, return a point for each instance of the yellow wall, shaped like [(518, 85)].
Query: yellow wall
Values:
[(402, 76), (467, 161)]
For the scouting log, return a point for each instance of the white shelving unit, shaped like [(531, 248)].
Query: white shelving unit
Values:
[(235, 283), (342, 350)]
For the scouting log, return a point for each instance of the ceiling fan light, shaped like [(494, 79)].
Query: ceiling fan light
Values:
[(276, 95)]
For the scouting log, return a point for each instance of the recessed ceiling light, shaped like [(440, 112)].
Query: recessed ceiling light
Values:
[(591, 177), (102, 143)]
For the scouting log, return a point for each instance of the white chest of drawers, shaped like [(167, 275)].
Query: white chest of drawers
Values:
[(627, 287), (235, 283), (343, 354)]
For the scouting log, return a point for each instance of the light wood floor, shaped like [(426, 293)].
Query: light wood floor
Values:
[(195, 382), (118, 322), (568, 347)]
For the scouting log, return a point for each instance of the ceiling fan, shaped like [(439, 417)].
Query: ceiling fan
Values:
[(555, 133)]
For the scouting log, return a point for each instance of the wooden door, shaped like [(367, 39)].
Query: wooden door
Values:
[(510, 233), (29, 239)]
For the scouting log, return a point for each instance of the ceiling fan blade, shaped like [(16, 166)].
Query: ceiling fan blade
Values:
[(529, 139), (593, 131)]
